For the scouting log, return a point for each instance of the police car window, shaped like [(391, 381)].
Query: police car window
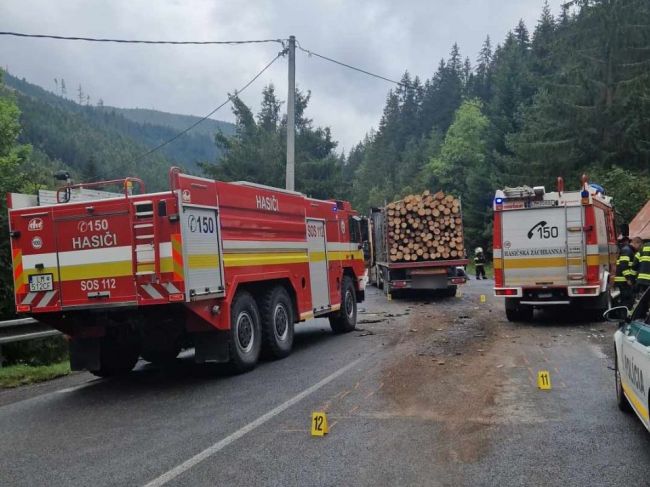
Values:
[(643, 336), (632, 329)]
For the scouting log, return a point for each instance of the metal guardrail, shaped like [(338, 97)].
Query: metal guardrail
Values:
[(23, 329)]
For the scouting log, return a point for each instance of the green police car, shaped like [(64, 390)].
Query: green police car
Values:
[(632, 357)]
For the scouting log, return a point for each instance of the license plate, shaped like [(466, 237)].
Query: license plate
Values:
[(41, 282), (544, 295)]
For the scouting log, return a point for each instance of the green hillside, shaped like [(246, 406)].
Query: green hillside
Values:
[(106, 142), (175, 121)]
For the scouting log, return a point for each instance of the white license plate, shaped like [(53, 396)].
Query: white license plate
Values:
[(41, 282), (544, 295)]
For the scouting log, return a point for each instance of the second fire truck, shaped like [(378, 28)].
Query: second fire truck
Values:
[(553, 249)]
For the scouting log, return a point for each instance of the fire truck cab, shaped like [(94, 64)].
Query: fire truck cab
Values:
[(553, 249), (226, 268)]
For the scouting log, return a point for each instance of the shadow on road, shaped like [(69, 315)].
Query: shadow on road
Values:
[(564, 315), (184, 376)]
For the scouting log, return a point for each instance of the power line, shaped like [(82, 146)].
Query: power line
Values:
[(340, 63), (230, 98), (137, 41)]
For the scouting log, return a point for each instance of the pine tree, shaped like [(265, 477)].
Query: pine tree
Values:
[(269, 116), (522, 36), (482, 86), (545, 58)]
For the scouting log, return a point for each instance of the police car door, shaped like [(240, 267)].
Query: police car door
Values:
[(635, 360)]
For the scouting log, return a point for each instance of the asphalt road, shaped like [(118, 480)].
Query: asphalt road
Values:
[(428, 391)]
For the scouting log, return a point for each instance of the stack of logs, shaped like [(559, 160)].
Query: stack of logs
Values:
[(425, 227)]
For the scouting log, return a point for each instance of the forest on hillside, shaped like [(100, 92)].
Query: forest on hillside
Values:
[(571, 95)]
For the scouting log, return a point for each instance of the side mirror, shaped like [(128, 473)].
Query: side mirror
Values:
[(617, 314)]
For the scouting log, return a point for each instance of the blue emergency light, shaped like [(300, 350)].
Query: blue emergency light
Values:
[(498, 201)]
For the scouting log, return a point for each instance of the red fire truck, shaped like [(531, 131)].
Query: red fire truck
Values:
[(226, 268), (553, 249)]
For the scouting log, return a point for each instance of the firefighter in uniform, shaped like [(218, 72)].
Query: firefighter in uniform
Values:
[(625, 273), (479, 263), (642, 265)]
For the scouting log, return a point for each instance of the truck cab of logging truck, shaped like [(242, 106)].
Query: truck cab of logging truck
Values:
[(226, 268), (553, 249)]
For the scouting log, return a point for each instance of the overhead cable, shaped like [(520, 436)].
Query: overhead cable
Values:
[(229, 99), (340, 63), (137, 41)]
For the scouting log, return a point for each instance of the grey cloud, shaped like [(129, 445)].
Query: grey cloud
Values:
[(383, 36)]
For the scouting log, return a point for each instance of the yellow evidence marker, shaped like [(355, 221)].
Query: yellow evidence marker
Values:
[(482, 298), (544, 380), (319, 424)]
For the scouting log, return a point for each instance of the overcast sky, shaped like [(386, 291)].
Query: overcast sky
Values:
[(383, 36)]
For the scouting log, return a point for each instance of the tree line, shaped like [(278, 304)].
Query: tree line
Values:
[(571, 97)]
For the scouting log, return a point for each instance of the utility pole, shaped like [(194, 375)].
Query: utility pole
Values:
[(291, 115)]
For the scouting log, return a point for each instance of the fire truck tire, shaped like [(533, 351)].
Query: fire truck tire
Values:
[(276, 310), (345, 319), (518, 313), (116, 357), (245, 333)]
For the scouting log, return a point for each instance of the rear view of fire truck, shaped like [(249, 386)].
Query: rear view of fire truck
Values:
[(225, 268), (553, 249)]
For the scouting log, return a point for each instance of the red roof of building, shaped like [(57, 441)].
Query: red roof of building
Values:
[(640, 224)]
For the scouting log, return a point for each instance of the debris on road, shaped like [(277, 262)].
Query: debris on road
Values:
[(374, 320), (365, 333)]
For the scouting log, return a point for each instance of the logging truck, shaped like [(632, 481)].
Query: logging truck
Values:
[(553, 249), (417, 243), (225, 268)]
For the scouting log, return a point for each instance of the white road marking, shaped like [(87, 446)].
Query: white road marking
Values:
[(90, 383), (220, 445)]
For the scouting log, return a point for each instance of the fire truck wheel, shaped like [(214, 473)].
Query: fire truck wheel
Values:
[(519, 313), (345, 319), (277, 322), (116, 357), (245, 333)]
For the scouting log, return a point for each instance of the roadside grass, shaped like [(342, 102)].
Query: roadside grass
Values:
[(19, 375)]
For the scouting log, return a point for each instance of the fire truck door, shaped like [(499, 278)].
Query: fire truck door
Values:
[(201, 252), (318, 276)]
